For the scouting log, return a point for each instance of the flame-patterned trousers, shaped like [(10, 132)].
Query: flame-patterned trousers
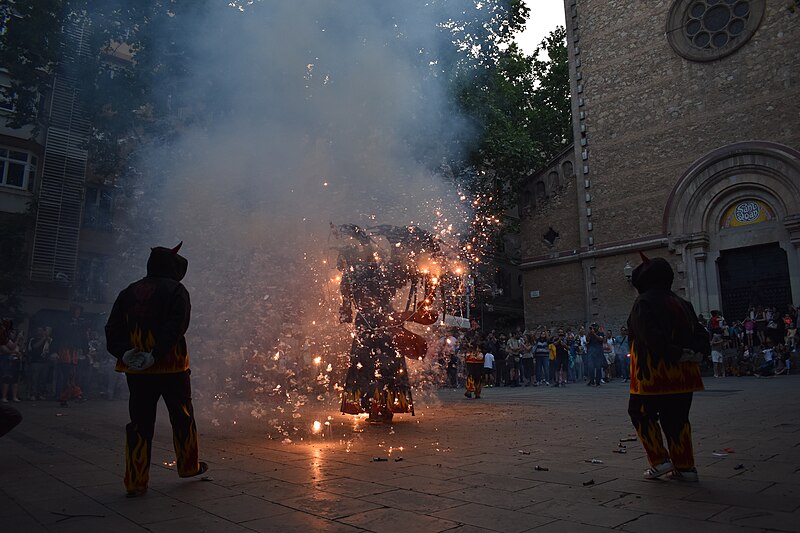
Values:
[(474, 378), (145, 391), (651, 414)]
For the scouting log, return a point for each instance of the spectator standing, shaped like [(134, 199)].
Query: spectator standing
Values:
[(526, 359), (38, 360), (717, 344), (452, 369), (575, 363), (595, 341), (551, 361), (488, 368), (749, 330), (761, 325), (500, 355), (10, 361), (515, 346), (622, 353), (776, 329), (541, 353), (583, 353), (791, 336), (609, 352), (562, 358)]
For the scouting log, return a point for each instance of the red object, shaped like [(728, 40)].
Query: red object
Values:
[(645, 259), (409, 344)]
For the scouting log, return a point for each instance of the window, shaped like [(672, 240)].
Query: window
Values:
[(99, 209), (5, 88), (5, 98), (705, 30), (17, 168), (552, 180), (568, 169), (541, 191)]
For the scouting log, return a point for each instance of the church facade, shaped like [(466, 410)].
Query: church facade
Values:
[(686, 117)]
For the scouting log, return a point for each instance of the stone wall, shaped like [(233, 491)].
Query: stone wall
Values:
[(642, 115), (559, 297), (549, 201), (650, 113)]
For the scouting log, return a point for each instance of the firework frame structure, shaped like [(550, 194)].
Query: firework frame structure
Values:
[(378, 264)]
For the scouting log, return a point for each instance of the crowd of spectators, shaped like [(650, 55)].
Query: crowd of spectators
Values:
[(65, 363), (541, 357), (761, 344)]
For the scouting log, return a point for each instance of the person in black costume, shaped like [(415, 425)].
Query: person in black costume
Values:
[(145, 332)]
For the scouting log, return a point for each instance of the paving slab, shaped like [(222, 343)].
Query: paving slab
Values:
[(466, 466)]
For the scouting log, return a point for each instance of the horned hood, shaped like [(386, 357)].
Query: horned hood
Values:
[(652, 274), (167, 263)]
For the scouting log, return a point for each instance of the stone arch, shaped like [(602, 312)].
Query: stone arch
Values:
[(552, 181), (567, 169), (540, 191), (763, 171), (771, 168)]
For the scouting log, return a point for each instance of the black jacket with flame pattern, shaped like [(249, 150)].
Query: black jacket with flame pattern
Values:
[(660, 324), (152, 315)]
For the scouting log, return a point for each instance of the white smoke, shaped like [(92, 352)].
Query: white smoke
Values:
[(295, 114)]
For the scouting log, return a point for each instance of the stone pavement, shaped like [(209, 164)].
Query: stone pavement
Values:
[(467, 465)]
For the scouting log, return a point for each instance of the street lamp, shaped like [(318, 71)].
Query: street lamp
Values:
[(628, 271)]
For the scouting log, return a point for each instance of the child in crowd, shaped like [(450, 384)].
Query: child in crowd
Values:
[(791, 336)]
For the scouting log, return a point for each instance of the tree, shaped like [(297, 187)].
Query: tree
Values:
[(520, 109), (134, 79)]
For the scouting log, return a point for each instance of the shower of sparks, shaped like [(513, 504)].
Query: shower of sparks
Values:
[(294, 368)]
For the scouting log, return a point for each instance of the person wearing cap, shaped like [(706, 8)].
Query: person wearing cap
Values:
[(666, 343), (145, 332)]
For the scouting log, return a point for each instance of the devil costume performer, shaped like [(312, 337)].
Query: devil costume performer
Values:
[(473, 363), (666, 340), (145, 332), (377, 378)]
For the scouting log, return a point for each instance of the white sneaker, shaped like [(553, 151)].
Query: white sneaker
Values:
[(685, 476), (657, 471)]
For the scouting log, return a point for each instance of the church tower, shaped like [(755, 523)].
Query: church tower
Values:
[(686, 116)]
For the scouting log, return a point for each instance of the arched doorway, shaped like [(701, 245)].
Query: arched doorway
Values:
[(734, 218), (753, 275)]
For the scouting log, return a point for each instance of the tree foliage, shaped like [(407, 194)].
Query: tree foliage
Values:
[(134, 82), (520, 107)]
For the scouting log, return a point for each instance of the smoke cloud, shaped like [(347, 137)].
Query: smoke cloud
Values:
[(294, 115)]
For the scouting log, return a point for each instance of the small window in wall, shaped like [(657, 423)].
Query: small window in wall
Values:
[(568, 169), (745, 213), (5, 98), (552, 180), (541, 191), (17, 168), (99, 209)]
